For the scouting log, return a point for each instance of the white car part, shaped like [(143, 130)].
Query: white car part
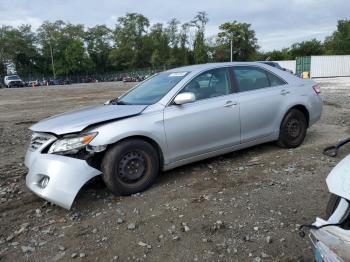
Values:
[(332, 242), (58, 179), (338, 181)]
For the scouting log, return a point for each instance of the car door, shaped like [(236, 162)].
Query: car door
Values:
[(207, 124), (261, 98)]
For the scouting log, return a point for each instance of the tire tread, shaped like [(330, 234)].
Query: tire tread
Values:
[(108, 166), (283, 140)]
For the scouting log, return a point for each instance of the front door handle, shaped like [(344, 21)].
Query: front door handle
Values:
[(230, 103), (284, 92)]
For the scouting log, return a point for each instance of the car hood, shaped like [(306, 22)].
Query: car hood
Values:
[(76, 121)]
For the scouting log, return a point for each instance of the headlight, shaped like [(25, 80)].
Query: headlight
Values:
[(71, 143)]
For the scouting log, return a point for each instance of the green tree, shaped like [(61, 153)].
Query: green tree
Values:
[(75, 59), (200, 50), (5, 50), (158, 42), (243, 38), (98, 40), (183, 52), (18, 46), (49, 35), (173, 32), (174, 38), (306, 48), (156, 59), (274, 55), (339, 42), (71, 49), (65, 45), (129, 51)]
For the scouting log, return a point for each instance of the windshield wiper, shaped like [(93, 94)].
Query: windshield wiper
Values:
[(116, 101)]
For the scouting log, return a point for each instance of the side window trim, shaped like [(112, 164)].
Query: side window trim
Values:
[(267, 77), (233, 80)]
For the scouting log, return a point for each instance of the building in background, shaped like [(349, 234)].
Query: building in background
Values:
[(288, 64), (319, 66)]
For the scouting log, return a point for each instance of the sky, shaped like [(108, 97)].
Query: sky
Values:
[(277, 23)]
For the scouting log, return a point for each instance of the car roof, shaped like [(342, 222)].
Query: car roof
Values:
[(201, 67)]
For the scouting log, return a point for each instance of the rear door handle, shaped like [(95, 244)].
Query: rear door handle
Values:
[(230, 103), (284, 92)]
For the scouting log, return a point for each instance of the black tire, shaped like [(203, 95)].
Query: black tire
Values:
[(293, 129), (332, 205), (130, 166)]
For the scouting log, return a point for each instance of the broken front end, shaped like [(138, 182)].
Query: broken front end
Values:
[(331, 236), (60, 166)]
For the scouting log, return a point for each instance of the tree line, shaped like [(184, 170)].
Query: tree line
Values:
[(64, 49), (338, 43)]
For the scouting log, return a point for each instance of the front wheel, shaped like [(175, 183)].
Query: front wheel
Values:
[(130, 166), (293, 129)]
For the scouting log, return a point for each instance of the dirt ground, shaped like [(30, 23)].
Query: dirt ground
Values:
[(242, 206)]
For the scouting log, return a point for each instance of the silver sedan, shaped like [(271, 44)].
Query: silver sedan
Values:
[(171, 119)]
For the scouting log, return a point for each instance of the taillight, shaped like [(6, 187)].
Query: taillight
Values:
[(317, 89)]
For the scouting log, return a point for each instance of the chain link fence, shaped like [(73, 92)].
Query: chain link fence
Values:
[(125, 75)]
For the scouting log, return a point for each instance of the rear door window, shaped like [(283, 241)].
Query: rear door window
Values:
[(252, 78), (275, 80)]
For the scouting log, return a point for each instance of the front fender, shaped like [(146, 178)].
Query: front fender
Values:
[(146, 125), (338, 180)]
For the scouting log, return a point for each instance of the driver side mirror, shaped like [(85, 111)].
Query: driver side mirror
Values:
[(184, 98)]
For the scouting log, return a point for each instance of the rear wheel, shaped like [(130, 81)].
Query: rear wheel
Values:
[(130, 166), (293, 129)]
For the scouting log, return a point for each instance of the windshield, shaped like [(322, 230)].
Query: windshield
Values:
[(13, 78), (152, 90)]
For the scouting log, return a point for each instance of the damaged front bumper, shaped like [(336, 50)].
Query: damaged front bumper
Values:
[(57, 178), (332, 243)]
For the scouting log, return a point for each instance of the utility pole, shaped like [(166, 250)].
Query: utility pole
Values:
[(53, 66), (231, 49)]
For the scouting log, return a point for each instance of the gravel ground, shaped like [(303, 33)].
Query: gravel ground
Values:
[(242, 206)]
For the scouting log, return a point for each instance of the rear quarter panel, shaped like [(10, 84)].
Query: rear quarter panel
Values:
[(302, 93)]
